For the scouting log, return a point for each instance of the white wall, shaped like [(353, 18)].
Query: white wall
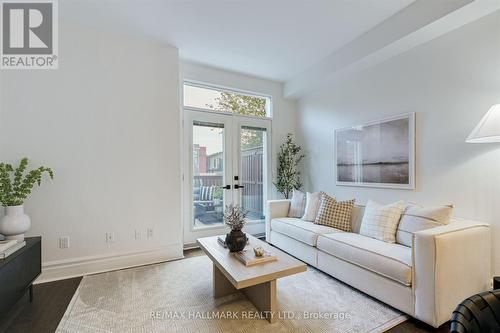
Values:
[(107, 121), (283, 109), (450, 82)]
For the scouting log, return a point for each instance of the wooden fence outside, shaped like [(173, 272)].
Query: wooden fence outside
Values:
[(252, 178)]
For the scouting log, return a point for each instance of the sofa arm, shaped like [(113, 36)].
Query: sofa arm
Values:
[(275, 208), (450, 263)]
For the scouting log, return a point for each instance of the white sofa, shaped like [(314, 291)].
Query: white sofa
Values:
[(427, 281)]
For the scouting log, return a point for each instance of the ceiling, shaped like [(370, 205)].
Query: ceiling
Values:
[(276, 39)]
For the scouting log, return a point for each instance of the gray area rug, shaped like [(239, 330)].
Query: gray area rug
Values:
[(177, 297)]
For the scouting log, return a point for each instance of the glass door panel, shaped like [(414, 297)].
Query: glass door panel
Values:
[(253, 171), (226, 162), (208, 174)]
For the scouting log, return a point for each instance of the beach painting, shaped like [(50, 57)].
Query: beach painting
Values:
[(377, 154)]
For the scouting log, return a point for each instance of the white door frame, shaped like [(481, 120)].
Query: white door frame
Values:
[(232, 166)]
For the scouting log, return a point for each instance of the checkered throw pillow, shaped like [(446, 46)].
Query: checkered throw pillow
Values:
[(381, 222), (335, 214)]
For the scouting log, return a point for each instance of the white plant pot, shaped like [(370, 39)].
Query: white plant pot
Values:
[(15, 223)]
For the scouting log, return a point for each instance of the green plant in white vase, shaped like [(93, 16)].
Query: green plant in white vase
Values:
[(15, 186)]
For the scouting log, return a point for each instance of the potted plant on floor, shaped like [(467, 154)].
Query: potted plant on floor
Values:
[(15, 187), (289, 157), (234, 217)]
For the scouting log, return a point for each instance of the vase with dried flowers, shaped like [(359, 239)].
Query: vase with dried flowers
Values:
[(234, 217)]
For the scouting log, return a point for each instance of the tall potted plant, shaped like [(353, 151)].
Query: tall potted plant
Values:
[(289, 158), (15, 187)]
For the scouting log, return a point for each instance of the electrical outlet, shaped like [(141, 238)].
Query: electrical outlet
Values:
[(138, 235), (150, 233), (110, 237), (64, 242)]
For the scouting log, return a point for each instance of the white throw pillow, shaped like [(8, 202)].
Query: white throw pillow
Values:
[(297, 204), (381, 222), (416, 218), (313, 201)]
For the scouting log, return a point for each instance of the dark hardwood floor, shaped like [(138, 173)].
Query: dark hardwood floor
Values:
[(415, 326), (51, 300)]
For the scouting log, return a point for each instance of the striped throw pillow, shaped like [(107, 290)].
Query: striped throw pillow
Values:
[(335, 214), (206, 193), (381, 222)]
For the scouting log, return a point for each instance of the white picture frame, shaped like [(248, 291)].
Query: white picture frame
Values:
[(377, 154)]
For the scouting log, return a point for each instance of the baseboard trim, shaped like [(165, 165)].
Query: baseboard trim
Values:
[(70, 268), (191, 246)]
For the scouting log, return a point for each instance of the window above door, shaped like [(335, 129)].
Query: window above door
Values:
[(215, 99)]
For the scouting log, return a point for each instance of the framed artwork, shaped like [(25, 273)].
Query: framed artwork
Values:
[(377, 154)]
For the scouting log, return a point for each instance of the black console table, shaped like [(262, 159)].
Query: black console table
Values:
[(17, 273)]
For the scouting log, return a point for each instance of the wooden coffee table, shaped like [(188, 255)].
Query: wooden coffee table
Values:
[(258, 283)]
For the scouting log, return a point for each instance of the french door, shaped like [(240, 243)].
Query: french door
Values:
[(226, 162)]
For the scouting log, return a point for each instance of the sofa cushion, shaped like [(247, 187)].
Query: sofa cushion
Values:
[(335, 214), (390, 260), (304, 231), (312, 205), (417, 218), (357, 217), (297, 204), (380, 222)]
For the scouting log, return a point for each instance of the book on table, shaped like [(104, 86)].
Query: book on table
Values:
[(248, 257), (222, 241), (17, 246), (6, 244)]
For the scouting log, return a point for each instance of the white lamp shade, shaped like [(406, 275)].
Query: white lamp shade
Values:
[(488, 129)]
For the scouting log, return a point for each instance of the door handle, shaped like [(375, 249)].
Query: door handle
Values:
[(236, 186), (227, 187)]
